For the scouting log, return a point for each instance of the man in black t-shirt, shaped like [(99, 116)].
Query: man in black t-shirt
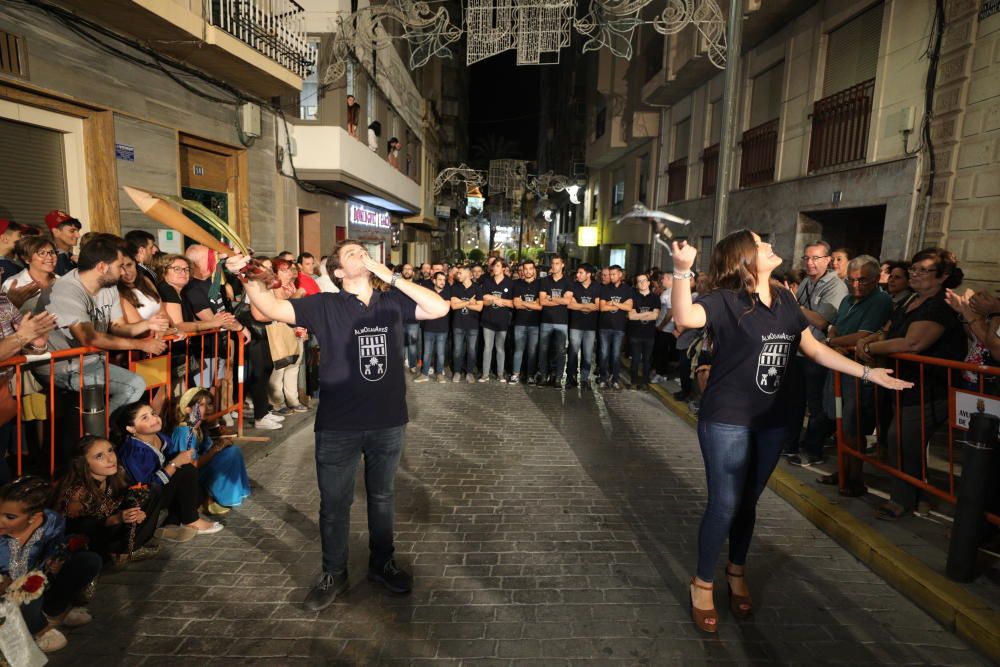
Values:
[(642, 330), (206, 298), (466, 304), (362, 408), (616, 301), (435, 333), (527, 315), (582, 326), (554, 293)]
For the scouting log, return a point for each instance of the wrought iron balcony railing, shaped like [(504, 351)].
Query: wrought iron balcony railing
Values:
[(709, 170), (677, 180), (760, 148), (275, 28), (840, 126)]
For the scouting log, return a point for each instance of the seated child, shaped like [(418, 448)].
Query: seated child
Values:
[(33, 538), (97, 502), (142, 453), (221, 468)]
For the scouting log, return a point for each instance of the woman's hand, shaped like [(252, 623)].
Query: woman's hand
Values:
[(18, 295), (133, 515), (883, 378), (983, 303), (36, 326), (184, 458), (959, 302), (684, 255)]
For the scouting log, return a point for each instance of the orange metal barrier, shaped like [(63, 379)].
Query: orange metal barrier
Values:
[(961, 402), (158, 371)]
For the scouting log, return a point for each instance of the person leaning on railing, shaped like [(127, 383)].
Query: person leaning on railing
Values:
[(928, 327), (979, 313), (39, 257)]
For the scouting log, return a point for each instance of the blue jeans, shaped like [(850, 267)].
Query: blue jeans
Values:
[(525, 339), (581, 341), (738, 462), (610, 359), (411, 343), (642, 359), (552, 349), (464, 344), (494, 340), (124, 387), (434, 344), (337, 454)]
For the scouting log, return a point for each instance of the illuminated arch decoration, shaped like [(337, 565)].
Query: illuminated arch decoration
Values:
[(460, 175), (707, 18)]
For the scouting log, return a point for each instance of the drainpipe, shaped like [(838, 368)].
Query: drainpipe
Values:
[(734, 44)]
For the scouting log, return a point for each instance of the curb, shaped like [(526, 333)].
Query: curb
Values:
[(971, 618)]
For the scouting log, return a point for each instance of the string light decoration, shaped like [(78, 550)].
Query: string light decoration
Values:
[(610, 24), (707, 18), (507, 177), (542, 184), (537, 29), (462, 174)]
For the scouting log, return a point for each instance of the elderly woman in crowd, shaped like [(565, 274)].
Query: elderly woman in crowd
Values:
[(284, 381), (39, 256), (928, 327)]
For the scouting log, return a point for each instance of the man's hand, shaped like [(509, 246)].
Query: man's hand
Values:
[(35, 327), (158, 323), (18, 295), (153, 346), (183, 458), (222, 320), (378, 269), (236, 262)]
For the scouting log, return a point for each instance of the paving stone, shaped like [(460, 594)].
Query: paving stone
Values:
[(544, 528)]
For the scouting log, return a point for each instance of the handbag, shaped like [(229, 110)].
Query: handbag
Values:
[(283, 344)]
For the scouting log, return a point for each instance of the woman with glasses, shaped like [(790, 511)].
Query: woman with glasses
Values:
[(39, 256), (929, 327)]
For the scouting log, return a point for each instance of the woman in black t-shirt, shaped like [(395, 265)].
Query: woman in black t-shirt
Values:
[(756, 328)]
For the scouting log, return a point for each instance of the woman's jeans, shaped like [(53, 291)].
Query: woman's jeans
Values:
[(80, 568), (642, 359), (581, 342), (610, 359), (337, 454), (525, 340), (494, 340), (411, 340), (738, 462), (464, 344), (434, 344)]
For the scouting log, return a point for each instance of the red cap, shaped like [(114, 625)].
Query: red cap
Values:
[(6, 224), (57, 217)]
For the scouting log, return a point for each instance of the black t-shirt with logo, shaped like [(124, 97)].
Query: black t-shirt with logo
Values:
[(465, 318), (555, 289), (528, 292), (496, 317), (621, 294), (361, 377), (643, 304), (753, 346), (579, 319), (197, 294), (441, 324)]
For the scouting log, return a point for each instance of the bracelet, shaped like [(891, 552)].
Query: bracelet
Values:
[(395, 277), (864, 376), (687, 275)]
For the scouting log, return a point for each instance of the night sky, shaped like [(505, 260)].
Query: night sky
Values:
[(504, 104)]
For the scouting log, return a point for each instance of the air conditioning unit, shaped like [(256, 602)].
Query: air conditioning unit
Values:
[(250, 119)]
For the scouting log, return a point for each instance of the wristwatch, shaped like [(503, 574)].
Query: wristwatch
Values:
[(867, 348)]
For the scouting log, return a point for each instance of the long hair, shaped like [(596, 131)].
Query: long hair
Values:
[(78, 474), (141, 281), (122, 418), (734, 265)]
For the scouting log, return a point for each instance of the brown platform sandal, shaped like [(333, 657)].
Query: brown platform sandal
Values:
[(707, 620), (740, 605)]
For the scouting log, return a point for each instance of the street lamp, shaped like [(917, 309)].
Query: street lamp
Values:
[(573, 191)]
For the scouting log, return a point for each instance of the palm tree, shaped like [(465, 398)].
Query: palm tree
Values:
[(493, 147)]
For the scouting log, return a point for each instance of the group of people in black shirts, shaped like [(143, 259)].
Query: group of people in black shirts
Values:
[(534, 329)]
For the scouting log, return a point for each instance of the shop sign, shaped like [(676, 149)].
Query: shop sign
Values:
[(125, 152), (964, 404), (365, 216), (443, 212)]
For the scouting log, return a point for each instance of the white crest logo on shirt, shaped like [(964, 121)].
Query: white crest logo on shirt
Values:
[(771, 366), (373, 356)]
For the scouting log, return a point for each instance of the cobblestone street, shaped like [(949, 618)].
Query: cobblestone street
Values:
[(543, 527)]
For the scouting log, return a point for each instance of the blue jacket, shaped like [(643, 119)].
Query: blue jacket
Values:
[(42, 544), (144, 464)]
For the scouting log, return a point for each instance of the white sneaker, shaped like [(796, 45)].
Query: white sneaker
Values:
[(76, 617), (211, 530), (51, 641), (267, 423), (274, 416)]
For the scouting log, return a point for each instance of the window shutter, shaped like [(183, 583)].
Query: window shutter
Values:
[(852, 51), (32, 173), (682, 139), (765, 102), (715, 131)]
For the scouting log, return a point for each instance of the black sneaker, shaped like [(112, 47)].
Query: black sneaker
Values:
[(787, 453), (532, 381), (394, 579), (805, 461), (325, 591), (571, 382)]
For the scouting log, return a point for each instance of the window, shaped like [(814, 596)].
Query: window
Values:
[(309, 96), (618, 193), (852, 51), (617, 257), (595, 200), (715, 129), (765, 100), (371, 102), (643, 178), (349, 77), (600, 119), (682, 139)]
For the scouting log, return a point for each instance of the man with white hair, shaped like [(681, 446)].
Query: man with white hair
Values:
[(205, 293)]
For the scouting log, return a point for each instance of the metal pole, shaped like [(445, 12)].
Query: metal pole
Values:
[(520, 228), (734, 40)]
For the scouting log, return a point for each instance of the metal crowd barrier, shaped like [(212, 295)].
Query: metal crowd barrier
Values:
[(937, 478), (157, 370)]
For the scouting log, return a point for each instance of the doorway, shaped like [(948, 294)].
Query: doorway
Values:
[(210, 175), (860, 229), (310, 239)]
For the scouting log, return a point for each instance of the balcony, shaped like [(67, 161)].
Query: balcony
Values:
[(709, 170), (259, 46), (331, 158), (677, 180), (760, 148), (840, 125)]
